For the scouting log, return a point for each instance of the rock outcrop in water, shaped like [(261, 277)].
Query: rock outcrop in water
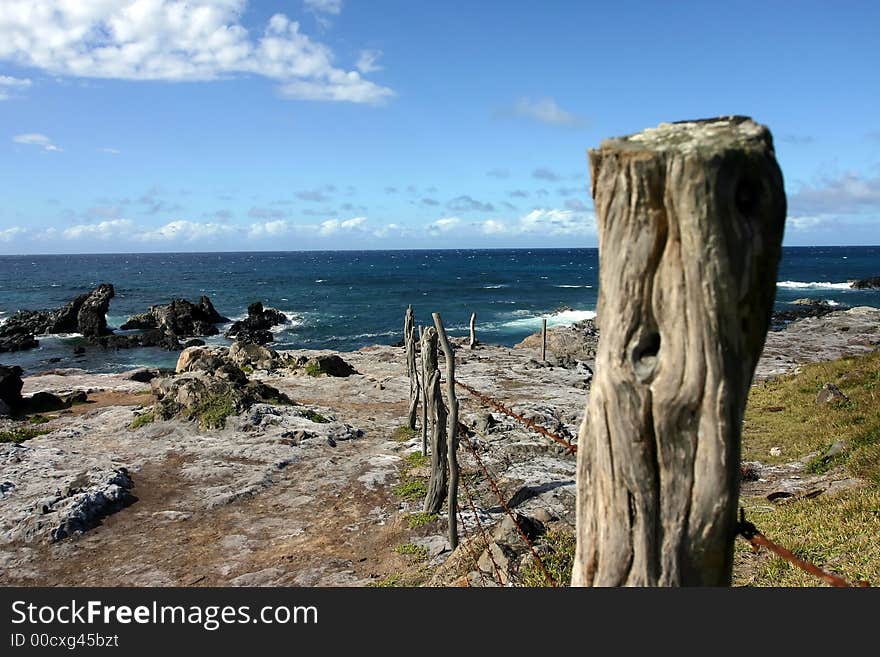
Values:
[(180, 318), (256, 327), (803, 308), (870, 283), (87, 314)]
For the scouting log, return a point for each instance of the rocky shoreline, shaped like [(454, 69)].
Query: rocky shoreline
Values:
[(250, 466)]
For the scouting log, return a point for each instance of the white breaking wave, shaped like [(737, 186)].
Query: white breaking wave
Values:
[(293, 319), (813, 285), (533, 323), (572, 286), (494, 287)]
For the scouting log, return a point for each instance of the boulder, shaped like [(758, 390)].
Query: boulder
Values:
[(255, 328), (329, 364), (143, 375), (46, 402), (831, 393), (11, 385), (208, 397), (246, 354), (869, 283), (577, 342)]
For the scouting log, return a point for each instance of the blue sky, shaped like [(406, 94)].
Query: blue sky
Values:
[(162, 125)]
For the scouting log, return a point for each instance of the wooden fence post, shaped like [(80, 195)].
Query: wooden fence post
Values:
[(544, 339), (451, 430), (690, 222), (424, 393), (409, 329), (437, 414), (473, 341)]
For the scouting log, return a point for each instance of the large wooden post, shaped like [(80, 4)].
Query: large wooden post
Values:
[(690, 221), (451, 429), (437, 415), (472, 343)]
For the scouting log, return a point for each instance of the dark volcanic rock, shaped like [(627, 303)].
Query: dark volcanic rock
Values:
[(255, 328), (804, 308), (330, 364), (18, 342), (870, 283), (87, 314), (180, 318), (10, 385)]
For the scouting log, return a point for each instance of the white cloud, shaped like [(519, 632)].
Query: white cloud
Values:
[(324, 6), (36, 139), (269, 228), (111, 151), (112, 228), (175, 40), (493, 227), (9, 234), (849, 193), (444, 225), (545, 110), (805, 222), (367, 59), (9, 86), (187, 231), (332, 226), (549, 221)]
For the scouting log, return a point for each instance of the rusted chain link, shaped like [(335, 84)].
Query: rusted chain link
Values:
[(531, 424), (464, 432), (749, 532), (485, 534), (469, 549)]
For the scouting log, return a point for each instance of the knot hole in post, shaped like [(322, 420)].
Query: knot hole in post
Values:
[(645, 355)]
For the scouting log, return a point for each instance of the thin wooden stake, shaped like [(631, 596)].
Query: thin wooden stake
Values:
[(544, 339), (451, 429)]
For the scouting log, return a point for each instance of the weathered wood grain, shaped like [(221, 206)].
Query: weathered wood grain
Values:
[(690, 222)]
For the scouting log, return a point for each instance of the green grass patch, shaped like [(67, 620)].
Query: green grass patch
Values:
[(411, 489), (314, 416), (836, 532), (403, 433), (143, 419), (412, 550), (313, 369), (212, 411), (558, 560), (392, 580), (783, 413), (417, 459), (416, 520), (20, 435), (38, 419)]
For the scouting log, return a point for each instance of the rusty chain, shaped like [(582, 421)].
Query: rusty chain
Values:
[(483, 532), (492, 483), (529, 423), (751, 533)]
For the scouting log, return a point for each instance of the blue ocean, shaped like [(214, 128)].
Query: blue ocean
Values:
[(344, 300)]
